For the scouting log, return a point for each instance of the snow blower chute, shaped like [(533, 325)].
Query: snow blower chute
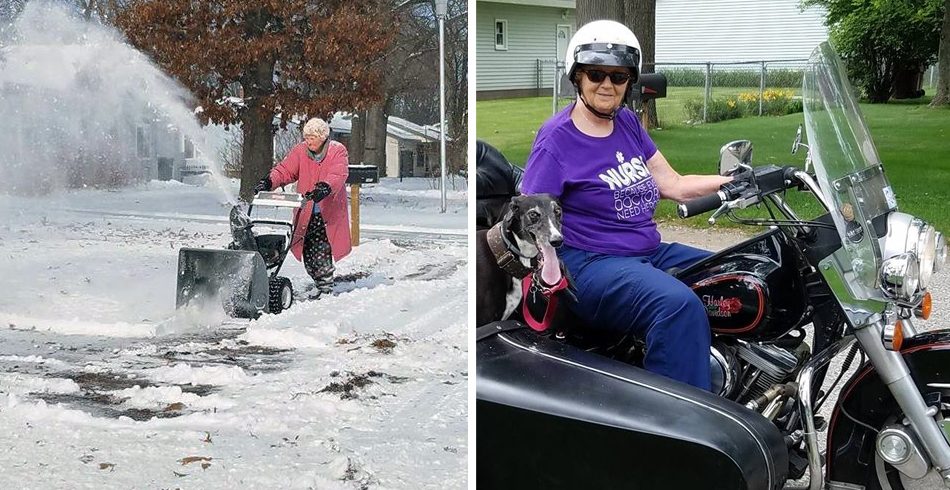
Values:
[(243, 278)]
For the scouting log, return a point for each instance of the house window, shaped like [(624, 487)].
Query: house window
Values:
[(141, 142), (501, 35), (189, 148)]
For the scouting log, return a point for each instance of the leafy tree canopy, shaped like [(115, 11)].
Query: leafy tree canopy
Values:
[(879, 39)]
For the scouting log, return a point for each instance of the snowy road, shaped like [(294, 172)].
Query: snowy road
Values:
[(103, 385)]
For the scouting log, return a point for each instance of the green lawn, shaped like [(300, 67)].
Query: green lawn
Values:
[(912, 139)]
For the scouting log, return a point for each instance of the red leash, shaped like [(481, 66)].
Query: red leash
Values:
[(526, 285)]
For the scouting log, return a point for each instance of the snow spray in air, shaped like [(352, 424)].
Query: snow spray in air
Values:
[(79, 107)]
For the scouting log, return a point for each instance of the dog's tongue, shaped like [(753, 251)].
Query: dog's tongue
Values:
[(551, 268)]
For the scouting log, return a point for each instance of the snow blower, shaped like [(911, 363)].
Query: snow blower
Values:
[(243, 278)]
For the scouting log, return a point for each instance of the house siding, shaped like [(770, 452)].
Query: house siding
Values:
[(736, 30), (686, 31), (531, 35)]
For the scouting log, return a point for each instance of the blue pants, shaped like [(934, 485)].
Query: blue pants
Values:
[(634, 295)]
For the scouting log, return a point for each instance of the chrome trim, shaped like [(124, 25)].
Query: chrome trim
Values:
[(762, 448), (887, 336), (728, 381), (900, 277), (892, 369), (735, 155), (836, 270), (895, 241), (907, 233), (810, 183), (940, 252), (840, 485), (914, 464), (805, 378), (939, 385), (910, 325)]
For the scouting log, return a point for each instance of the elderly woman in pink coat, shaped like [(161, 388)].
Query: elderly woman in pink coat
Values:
[(320, 167)]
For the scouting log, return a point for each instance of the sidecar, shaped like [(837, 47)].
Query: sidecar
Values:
[(553, 416)]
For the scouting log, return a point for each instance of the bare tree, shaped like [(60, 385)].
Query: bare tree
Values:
[(942, 97), (288, 57), (412, 82)]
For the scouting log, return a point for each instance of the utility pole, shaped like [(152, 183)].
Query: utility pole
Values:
[(440, 11)]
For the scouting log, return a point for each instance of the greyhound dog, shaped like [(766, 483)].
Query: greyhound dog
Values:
[(522, 243)]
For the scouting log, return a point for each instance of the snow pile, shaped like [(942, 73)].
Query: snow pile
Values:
[(105, 385)]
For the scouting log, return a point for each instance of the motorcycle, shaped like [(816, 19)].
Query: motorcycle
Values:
[(571, 409)]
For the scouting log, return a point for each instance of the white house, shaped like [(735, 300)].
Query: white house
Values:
[(411, 150), (516, 43), (515, 37)]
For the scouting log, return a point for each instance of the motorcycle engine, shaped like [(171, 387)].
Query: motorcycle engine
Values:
[(744, 370)]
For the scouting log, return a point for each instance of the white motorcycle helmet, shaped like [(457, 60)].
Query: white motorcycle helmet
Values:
[(603, 43)]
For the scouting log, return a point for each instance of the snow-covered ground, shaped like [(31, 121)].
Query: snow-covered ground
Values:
[(102, 385)]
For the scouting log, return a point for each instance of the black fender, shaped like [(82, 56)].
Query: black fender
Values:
[(553, 416), (865, 397)]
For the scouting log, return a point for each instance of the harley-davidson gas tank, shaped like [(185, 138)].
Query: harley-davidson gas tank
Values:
[(752, 290)]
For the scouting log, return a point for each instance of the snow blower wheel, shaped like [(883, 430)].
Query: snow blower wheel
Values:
[(281, 294)]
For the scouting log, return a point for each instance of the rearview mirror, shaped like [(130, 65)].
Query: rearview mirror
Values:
[(734, 155), (798, 140)]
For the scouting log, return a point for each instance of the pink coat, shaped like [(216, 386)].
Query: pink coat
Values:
[(333, 170)]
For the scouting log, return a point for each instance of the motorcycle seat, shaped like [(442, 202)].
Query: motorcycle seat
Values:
[(496, 182)]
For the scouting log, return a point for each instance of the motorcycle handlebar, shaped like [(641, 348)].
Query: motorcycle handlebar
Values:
[(700, 205)]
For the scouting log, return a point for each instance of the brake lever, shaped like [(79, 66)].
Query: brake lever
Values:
[(719, 212), (740, 202)]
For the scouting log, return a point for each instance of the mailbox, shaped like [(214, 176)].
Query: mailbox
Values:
[(649, 86), (363, 174)]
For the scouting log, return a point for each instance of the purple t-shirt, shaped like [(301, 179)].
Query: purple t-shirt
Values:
[(607, 194)]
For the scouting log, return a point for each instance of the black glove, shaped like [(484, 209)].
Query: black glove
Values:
[(321, 190), (264, 185)]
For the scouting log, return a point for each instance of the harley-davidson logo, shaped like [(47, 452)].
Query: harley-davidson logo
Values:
[(722, 307)]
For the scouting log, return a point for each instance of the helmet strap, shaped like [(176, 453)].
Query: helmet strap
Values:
[(597, 113)]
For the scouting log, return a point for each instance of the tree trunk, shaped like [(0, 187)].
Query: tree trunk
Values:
[(257, 152), (357, 137), (374, 150), (942, 96), (640, 16), (590, 10)]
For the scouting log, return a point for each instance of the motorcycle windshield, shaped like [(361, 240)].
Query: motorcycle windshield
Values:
[(847, 166)]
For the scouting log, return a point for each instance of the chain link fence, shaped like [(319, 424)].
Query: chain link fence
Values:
[(755, 83), (930, 76)]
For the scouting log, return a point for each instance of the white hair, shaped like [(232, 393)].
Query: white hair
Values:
[(317, 127)]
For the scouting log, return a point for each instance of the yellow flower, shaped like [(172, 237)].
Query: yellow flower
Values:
[(731, 103)]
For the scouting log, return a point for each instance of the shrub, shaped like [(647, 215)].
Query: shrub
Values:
[(774, 103), (720, 109)]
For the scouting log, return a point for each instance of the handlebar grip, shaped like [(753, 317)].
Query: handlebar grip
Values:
[(700, 205)]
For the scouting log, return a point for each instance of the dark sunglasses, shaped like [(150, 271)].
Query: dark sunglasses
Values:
[(617, 77)]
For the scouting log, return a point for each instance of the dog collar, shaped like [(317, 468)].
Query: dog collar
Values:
[(506, 255)]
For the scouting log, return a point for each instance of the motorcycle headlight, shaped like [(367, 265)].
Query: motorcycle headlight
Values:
[(900, 276), (926, 251), (940, 253), (907, 234)]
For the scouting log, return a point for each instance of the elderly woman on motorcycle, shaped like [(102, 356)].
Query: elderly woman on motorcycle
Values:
[(597, 159), (320, 167)]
